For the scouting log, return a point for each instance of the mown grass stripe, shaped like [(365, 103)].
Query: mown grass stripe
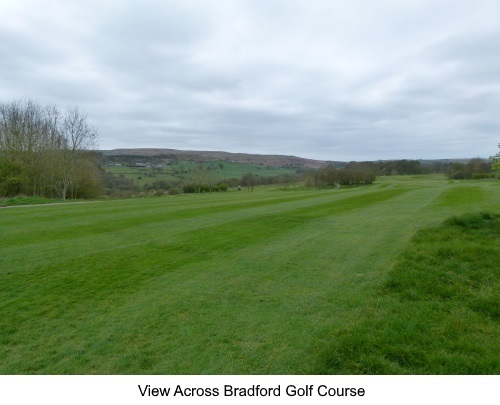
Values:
[(260, 287)]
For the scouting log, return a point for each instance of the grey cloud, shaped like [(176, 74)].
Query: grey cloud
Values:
[(325, 79)]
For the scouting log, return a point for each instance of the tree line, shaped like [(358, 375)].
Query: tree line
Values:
[(474, 169), (331, 176), (201, 179), (47, 153)]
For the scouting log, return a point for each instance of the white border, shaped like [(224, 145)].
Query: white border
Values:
[(124, 390)]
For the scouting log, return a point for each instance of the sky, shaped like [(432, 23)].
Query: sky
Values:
[(320, 79)]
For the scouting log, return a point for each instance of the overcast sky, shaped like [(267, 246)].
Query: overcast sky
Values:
[(322, 79)]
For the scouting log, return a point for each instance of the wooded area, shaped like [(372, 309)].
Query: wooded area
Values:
[(46, 153)]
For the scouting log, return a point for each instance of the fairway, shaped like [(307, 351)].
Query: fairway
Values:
[(242, 282)]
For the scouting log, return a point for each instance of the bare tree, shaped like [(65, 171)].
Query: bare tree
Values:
[(52, 151), (78, 138), (249, 180), (199, 178)]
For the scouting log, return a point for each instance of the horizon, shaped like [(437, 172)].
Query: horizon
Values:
[(295, 156)]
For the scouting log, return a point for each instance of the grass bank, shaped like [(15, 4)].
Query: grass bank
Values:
[(438, 310)]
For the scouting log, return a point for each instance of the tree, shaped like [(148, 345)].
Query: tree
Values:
[(199, 178), (249, 180), (353, 174), (328, 176), (11, 181), (25, 135), (496, 161), (475, 168), (53, 152), (78, 139)]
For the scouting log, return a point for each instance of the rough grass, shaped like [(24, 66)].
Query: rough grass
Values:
[(237, 283), (437, 313), (26, 200)]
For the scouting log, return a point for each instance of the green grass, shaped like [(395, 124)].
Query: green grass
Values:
[(26, 200), (176, 171), (243, 283), (438, 311)]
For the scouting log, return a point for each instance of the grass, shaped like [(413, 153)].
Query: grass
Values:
[(26, 200), (242, 283), (438, 311), (178, 171)]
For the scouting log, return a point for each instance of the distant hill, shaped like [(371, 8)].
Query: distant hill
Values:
[(170, 155), (165, 156)]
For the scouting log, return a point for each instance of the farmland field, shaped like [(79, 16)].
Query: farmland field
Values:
[(263, 282), (177, 171)]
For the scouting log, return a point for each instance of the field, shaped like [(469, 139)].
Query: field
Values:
[(176, 171), (358, 280)]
